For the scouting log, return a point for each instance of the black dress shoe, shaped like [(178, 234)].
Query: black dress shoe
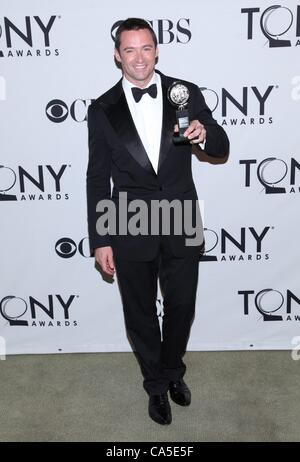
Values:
[(159, 409), (180, 393)]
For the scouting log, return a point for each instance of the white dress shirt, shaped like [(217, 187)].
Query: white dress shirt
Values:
[(147, 117)]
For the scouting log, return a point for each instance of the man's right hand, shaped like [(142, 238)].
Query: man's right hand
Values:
[(104, 257)]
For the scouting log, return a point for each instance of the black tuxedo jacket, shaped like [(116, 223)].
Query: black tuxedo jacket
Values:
[(116, 151)]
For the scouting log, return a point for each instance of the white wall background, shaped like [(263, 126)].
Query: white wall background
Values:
[(223, 56)]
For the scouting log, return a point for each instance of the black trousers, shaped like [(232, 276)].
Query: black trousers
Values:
[(159, 353)]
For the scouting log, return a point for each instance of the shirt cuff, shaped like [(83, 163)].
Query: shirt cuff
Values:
[(202, 145)]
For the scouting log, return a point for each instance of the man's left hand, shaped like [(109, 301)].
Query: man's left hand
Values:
[(196, 132)]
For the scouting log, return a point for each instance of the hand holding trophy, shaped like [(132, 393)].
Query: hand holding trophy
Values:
[(178, 95)]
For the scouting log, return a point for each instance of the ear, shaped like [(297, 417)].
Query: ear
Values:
[(156, 52), (117, 56)]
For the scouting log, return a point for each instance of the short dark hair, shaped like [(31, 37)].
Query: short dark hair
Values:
[(133, 24)]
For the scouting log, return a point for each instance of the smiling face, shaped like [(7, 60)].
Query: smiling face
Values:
[(137, 55)]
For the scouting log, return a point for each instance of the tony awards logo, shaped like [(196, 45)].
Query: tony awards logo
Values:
[(178, 95)]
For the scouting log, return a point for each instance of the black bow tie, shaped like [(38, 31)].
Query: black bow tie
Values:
[(139, 92)]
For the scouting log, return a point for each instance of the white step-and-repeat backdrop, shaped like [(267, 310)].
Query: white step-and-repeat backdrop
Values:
[(55, 58)]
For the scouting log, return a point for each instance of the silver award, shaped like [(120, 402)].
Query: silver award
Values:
[(178, 95)]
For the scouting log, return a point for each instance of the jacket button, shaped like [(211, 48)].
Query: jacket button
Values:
[(160, 188)]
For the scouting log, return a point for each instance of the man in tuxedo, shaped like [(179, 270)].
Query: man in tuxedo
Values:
[(131, 140)]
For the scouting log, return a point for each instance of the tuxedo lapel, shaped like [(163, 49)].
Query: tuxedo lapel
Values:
[(119, 115), (120, 118), (168, 123)]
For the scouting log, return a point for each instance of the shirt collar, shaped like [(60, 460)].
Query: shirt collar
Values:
[(128, 85)]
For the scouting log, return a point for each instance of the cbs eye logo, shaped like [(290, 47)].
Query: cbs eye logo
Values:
[(57, 111), (67, 247)]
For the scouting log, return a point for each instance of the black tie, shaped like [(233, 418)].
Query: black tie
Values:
[(139, 92)]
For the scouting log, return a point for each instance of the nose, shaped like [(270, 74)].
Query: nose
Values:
[(139, 56)]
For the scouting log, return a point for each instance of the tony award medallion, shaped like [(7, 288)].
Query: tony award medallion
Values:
[(178, 95)]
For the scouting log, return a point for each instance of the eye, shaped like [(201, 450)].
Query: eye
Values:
[(65, 247), (57, 111)]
